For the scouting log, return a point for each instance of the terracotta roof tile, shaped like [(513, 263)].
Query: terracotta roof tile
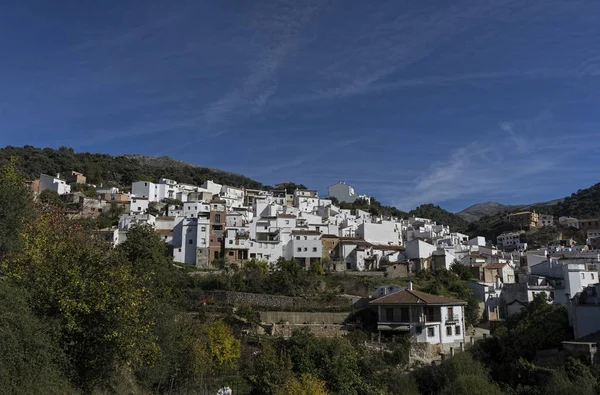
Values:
[(388, 247), (415, 297)]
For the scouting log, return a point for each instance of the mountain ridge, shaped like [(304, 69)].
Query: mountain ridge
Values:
[(479, 210)]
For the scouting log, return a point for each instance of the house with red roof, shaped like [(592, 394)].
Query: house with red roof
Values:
[(429, 318)]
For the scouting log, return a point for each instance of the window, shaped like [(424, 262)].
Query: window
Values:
[(287, 221), (230, 253), (429, 313), (230, 241), (404, 314), (431, 332), (100, 210), (457, 330), (145, 184), (139, 208), (448, 331), (219, 239), (450, 314), (297, 237), (419, 330), (217, 217), (314, 249), (582, 275), (305, 249), (190, 241), (299, 249), (389, 314), (179, 249), (265, 227)]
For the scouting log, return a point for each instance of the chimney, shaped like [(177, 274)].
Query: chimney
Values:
[(410, 288)]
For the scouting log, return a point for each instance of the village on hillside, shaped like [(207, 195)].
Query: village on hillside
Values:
[(212, 224)]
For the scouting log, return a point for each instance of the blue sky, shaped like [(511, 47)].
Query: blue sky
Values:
[(450, 102)]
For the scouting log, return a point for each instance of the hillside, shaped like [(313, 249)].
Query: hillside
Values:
[(480, 210), (585, 203), (119, 170), (441, 216)]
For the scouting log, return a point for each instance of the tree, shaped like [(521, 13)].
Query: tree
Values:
[(454, 374), (271, 369), (440, 216), (538, 326), (223, 347), (32, 360), (15, 208), (89, 289), (117, 170), (307, 384), (471, 384), (151, 264), (51, 197), (87, 190)]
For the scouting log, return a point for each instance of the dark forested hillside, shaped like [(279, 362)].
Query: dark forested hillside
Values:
[(116, 170), (585, 203), (440, 216)]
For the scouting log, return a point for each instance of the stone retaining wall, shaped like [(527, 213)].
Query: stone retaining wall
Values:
[(279, 302), (300, 318)]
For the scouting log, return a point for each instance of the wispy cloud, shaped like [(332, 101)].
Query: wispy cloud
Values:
[(520, 142), (283, 33), (390, 43), (522, 160)]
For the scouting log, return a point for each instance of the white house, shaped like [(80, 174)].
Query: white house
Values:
[(196, 209), (128, 220), (429, 318), (545, 220), (345, 193), (584, 311), (54, 183), (570, 275), (234, 197), (305, 246), (381, 233), (212, 187), (191, 241), (146, 189), (138, 205), (418, 249), (511, 241), (107, 190)]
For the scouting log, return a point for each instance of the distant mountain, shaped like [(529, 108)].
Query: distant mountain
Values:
[(119, 170), (480, 210)]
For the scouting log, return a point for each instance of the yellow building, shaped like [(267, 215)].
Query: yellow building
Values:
[(526, 219)]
